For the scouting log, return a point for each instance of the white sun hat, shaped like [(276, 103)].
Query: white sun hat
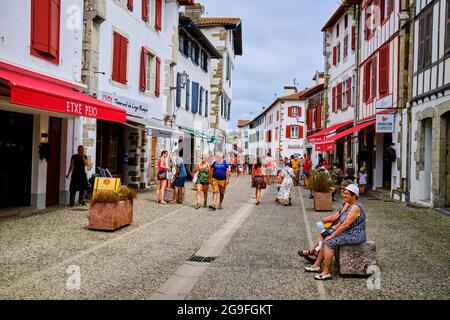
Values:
[(353, 188)]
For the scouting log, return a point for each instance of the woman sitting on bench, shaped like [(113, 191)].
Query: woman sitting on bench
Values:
[(351, 230)]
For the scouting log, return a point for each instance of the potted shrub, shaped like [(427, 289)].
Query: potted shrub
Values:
[(111, 210), (322, 185)]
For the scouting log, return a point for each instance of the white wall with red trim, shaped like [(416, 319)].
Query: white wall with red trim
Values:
[(341, 69), (17, 40), (139, 33)]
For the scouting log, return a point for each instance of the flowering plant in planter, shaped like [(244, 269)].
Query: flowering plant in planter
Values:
[(111, 210), (322, 185)]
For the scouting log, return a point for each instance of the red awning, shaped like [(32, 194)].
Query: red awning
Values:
[(319, 136), (325, 145), (41, 94)]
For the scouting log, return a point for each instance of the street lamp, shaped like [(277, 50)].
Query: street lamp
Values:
[(184, 79)]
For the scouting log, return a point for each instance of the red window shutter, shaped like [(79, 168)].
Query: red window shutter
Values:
[(318, 117), (123, 60), (45, 25), (145, 10), (55, 14), (349, 92), (353, 37), (339, 97), (158, 20), (334, 55), (288, 132), (299, 111), (300, 132), (338, 58), (345, 46), (143, 70), (290, 112), (374, 77), (158, 76), (116, 57), (390, 7), (333, 99), (40, 29), (384, 70), (130, 5), (364, 95)]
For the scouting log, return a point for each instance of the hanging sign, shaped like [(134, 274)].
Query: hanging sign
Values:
[(132, 107), (385, 123)]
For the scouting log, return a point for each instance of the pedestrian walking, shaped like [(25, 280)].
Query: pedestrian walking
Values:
[(306, 170), (78, 181), (179, 178), (258, 179), (163, 171), (362, 181), (220, 178), (349, 170), (201, 180), (296, 167), (270, 168), (288, 183)]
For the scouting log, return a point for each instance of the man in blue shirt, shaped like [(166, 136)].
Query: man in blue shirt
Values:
[(179, 178), (220, 178)]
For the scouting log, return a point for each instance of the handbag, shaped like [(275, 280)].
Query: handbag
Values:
[(162, 175), (195, 179), (327, 232), (263, 184)]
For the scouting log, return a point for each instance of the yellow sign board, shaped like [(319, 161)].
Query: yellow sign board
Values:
[(106, 184)]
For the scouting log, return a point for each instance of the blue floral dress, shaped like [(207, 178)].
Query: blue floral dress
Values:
[(356, 234)]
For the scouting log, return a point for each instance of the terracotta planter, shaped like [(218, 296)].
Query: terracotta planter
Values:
[(323, 201), (110, 216)]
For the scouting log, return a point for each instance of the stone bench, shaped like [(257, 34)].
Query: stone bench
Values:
[(354, 260)]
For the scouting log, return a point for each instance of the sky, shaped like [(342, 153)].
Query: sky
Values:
[(282, 40)]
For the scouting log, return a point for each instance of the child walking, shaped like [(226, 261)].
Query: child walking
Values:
[(362, 181)]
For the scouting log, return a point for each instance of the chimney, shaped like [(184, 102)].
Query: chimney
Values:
[(319, 77), (195, 11), (288, 90)]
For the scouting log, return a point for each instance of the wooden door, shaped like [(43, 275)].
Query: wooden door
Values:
[(54, 163), (447, 173), (153, 161)]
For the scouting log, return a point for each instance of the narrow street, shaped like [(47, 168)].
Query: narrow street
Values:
[(257, 252)]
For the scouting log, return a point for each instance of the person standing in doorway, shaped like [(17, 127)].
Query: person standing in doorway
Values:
[(220, 178), (163, 171), (78, 181), (179, 178)]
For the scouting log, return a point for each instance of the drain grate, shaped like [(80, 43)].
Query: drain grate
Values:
[(195, 258)]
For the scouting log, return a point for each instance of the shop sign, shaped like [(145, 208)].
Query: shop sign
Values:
[(385, 123), (384, 103), (325, 147), (132, 107), (295, 146), (106, 184)]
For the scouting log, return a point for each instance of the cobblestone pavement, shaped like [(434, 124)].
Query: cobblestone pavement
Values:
[(258, 262)]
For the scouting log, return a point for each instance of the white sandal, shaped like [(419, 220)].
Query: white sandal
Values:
[(310, 269), (325, 277)]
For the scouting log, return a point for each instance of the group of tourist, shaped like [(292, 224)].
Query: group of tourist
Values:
[(214, 172)]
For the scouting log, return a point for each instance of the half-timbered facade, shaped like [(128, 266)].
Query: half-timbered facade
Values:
[(429, 108)]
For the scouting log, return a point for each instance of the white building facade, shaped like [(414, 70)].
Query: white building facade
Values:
[(42, 107), (429, 109)]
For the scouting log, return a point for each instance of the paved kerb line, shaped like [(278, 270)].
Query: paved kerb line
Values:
[(320, 287)]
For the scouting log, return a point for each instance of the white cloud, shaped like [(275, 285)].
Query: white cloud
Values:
[(282, 40)]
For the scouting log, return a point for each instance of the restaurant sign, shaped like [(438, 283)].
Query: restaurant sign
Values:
[(132, 107)]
